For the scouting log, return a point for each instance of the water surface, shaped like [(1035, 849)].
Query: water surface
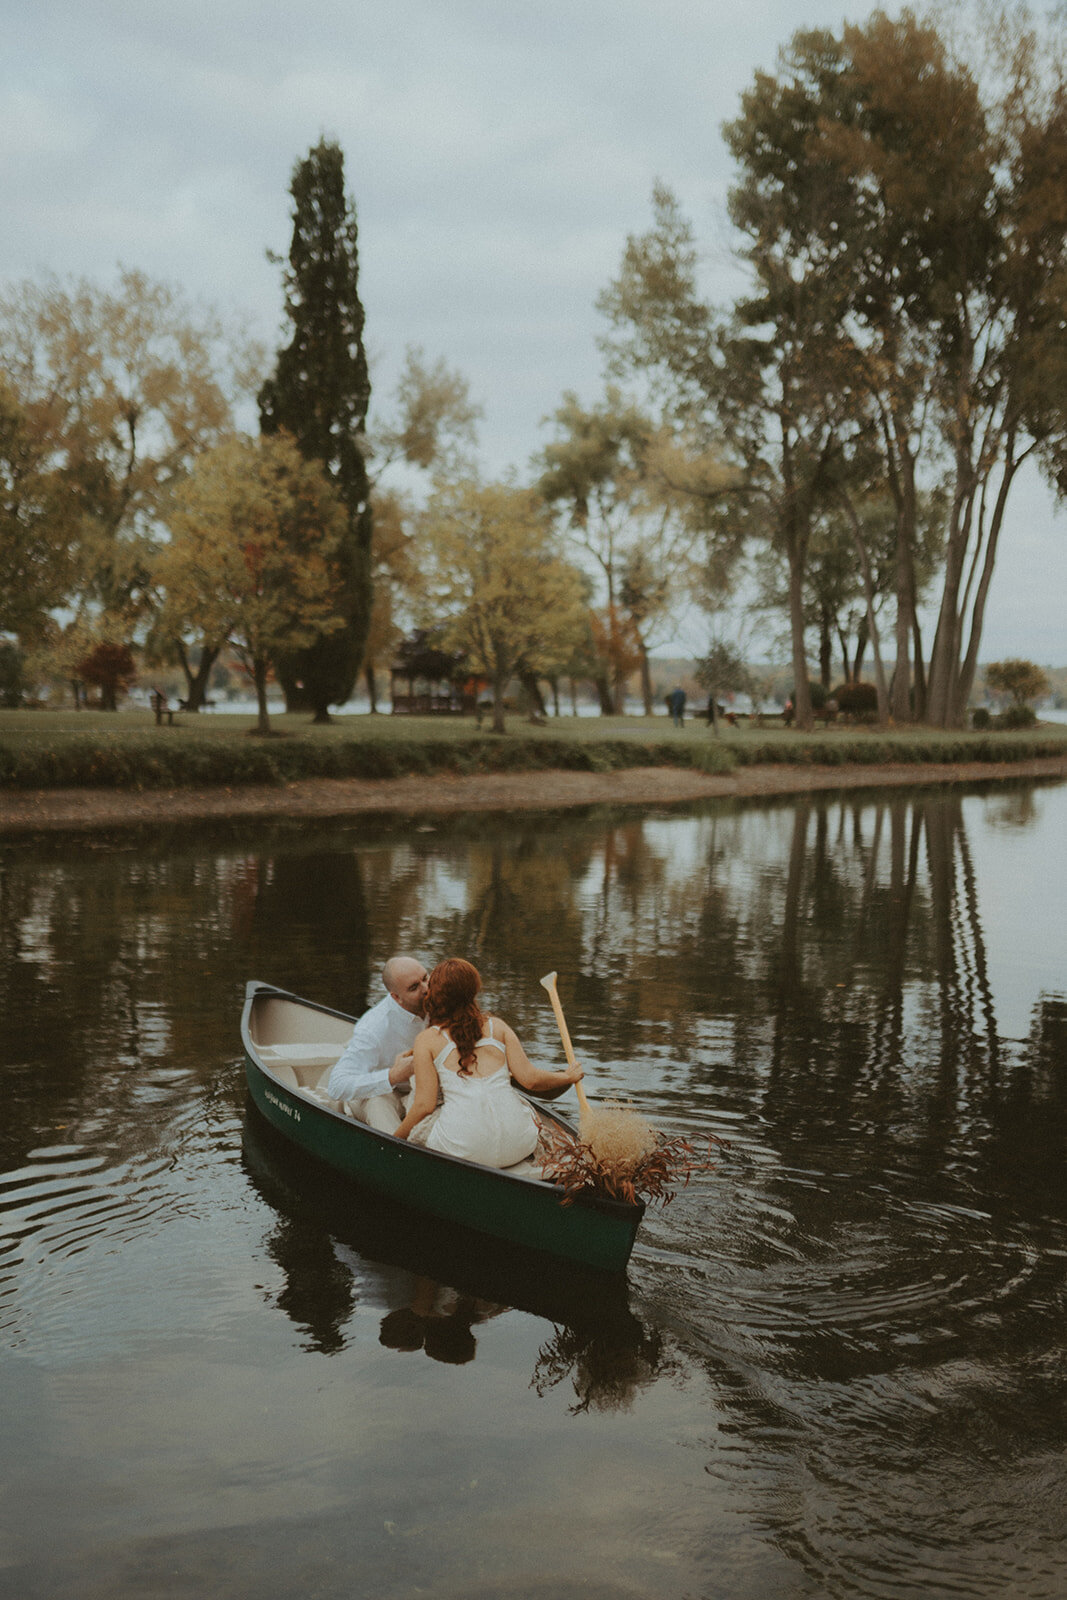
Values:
[(836, 1365)]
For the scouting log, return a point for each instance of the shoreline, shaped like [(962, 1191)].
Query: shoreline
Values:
[(335, 799)]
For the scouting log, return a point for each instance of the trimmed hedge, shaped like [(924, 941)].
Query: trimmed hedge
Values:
[(881, 750), (150, 760), (162, 762)]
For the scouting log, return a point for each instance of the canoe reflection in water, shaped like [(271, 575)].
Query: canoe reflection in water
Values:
[(340, 1247)]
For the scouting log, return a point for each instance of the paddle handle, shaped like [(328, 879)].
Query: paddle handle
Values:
[(548, 983)]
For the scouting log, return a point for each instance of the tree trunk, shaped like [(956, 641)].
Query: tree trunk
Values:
[(970, 661), (603, 689), (259, 678), (372, 687), (901, 702), (945, 654), (869, 626), (618, 691), (920, 666), (846, 668), (795, 530), (825, 648), (646, 679), (532, 689), (862, 640), (802, 713), (196, 683), (499, 686), (944, 657)]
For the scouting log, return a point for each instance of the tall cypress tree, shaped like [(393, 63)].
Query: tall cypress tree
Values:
[(319, 394)]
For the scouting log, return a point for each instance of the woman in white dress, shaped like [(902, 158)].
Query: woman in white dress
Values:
[(472, 1057)]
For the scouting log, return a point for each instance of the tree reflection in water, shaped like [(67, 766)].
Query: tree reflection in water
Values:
[(872, 1296), (821, 964)]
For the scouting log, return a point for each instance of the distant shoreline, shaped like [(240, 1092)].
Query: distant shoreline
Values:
[(25, 812)]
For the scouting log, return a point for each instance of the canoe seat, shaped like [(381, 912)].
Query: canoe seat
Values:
[(301, 1055), (300, 1066), (284, 1074)]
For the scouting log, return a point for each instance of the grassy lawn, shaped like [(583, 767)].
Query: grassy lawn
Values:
[(126, 748)]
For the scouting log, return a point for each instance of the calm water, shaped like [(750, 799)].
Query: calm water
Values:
[(837, 1365)]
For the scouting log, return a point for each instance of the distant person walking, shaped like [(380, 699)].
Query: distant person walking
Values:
[(676, 706)]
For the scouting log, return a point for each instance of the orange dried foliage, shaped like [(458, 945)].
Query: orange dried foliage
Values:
[(622, 1156)]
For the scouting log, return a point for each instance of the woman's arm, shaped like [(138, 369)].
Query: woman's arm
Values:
[(424, 1095), (536, 1079)]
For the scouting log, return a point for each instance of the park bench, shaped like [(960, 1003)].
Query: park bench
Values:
[(163, 710)]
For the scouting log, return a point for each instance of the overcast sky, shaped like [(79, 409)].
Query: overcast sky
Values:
[(499, 152)]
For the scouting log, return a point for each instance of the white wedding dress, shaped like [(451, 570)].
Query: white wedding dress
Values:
[(481, 1119)]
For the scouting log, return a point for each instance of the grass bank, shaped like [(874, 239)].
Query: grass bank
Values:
[(45, 750)]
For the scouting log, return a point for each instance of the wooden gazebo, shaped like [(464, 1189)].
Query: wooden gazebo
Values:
[(428, 682)]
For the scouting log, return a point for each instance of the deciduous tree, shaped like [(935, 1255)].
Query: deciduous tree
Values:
[(36, 527), (252, 563), (904, 220), (431, 428), (1021, 681), (121, 389), (635, 506), (944, 240), (496, 579), (757, 385)]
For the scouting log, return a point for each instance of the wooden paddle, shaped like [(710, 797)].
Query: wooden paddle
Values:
[(618, 1137), (619, 1152), (548, 983)]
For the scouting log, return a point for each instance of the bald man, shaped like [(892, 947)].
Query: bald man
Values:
[(377, 1060)]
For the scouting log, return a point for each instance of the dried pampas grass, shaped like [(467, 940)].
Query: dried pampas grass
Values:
[(618, 1135)]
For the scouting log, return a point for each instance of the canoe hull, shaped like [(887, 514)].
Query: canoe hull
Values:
[(595, 1232)]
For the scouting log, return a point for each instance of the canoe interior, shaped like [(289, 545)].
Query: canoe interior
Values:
[(277, 1019), (518, 1205)]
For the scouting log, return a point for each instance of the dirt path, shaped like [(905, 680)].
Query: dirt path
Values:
[(74, 810)]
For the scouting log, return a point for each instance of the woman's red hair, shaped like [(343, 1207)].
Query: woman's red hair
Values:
[(451, 1002)]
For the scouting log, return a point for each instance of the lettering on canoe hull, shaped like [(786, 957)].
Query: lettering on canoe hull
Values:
[(283, 1105)]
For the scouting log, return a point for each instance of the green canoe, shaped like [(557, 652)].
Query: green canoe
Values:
[(290, 1045)]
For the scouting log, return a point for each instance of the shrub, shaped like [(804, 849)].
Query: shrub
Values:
[(12, 687), (818, 692), (1016, 716), (980, 718), (857, 699), (110, 668)]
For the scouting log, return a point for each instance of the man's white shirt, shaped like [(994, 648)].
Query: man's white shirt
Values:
[(378, 1038)]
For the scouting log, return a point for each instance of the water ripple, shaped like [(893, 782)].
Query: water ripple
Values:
[(71, 1215)]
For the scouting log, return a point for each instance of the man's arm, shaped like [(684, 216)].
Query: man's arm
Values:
[(358, 1073)]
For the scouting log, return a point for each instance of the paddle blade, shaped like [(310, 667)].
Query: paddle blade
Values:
[(549, 980)]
